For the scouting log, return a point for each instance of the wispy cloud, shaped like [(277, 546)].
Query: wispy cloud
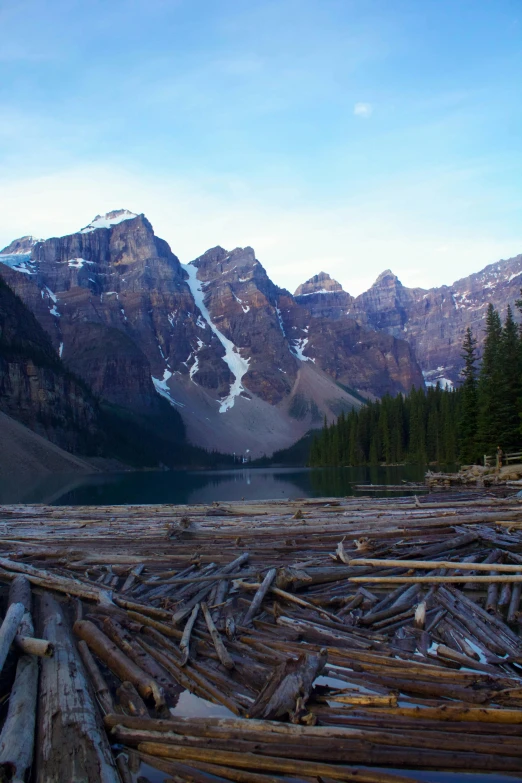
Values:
[(363, 110)]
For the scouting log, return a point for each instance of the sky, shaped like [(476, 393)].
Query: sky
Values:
[(345, 136)]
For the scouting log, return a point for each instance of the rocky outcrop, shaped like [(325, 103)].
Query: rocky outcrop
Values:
[(324, 297), (21, 246)]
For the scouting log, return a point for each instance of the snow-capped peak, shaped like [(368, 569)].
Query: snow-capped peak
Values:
[(108, 220), (20, 247)]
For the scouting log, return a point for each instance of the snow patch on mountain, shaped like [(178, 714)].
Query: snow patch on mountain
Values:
[(77, 263), (434, 377), (161, 386), (108, 220), (280, 319), (298, 348), (321, 291), (236, 364), (20, 262)]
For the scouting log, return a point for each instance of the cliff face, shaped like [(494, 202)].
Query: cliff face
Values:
[(246, 364), (35, 388), (434, 321), (368, 361)]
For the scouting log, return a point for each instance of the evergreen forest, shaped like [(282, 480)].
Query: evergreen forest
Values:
[(436, 424)]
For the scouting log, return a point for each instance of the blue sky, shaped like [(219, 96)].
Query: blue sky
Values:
[(339, 135)]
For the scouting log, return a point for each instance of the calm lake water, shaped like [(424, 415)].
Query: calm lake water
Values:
[(201, 486)]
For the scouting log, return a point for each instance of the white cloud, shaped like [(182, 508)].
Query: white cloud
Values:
[(363, 110), (354, 241)]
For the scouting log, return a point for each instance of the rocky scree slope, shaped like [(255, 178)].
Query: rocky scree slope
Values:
[(246, 364)]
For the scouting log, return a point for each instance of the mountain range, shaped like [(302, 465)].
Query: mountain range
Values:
[(244, 365)]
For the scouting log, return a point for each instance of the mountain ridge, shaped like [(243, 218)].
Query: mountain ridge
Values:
[(216, 338)]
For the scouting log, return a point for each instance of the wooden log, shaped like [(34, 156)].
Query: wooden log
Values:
[(71, 743), (221, 650), (118, 662), (180, 614), (514, 603), (42, 648), (9, 629), (279, 765), (259, 596), (46, 579), (192, 681), (432, 564), (184, 645), (130, 646), (131, 700), (122, 765), (173, 767), (397, 580), (288, 688), (131, 579), (17, 737), (101, 689), (20, 592), (148, 622)]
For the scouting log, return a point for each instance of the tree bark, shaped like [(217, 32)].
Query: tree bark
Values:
[(72, 745)]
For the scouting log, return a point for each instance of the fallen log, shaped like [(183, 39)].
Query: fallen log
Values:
[(184, 644), (118, 662), (259, 596), (71, 743), (221, 650), (17, 737), (288, 689)]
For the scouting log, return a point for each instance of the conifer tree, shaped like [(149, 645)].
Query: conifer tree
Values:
[(467, 423), (489, 391)]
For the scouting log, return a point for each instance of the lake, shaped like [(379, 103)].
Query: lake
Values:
[(202, 486)]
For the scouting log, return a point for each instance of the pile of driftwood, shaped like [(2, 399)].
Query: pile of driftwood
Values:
[(330, 640)]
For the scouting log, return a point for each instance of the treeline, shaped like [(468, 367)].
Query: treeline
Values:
[(439, 425)]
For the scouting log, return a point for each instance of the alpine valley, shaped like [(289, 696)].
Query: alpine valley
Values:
[(106, 338)]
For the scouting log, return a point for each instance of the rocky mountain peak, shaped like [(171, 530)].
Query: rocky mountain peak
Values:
[(109, 219), (388, 278), (318, 284), (21, 246)]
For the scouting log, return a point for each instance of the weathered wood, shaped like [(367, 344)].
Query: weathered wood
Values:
[(98, 683), (9, 629), (221, 650), (431, 564), (118, 662), (180, 614), (288, 689), (131, 579), (131, 700), (259, 596), (42, 648), (271, 764), (184, 644), (17, 737), (71, 743)]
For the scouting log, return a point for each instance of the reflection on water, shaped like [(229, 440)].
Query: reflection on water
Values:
[(199, 486)]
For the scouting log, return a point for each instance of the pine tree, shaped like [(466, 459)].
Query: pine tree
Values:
[(510, 357), (467, 422), (489, 390)]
